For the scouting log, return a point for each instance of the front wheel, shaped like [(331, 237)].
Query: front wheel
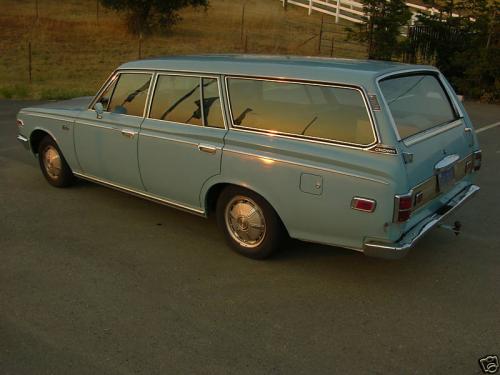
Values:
[(53, 165), (250, 225)]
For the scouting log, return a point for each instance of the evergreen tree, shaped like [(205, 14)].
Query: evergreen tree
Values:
[(382, 27), (143, 16), (464, 43)]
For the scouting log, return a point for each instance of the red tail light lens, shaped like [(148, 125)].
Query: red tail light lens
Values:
[(478, 158), (403, 205), (363, 204), (403, 216), (405, 202)]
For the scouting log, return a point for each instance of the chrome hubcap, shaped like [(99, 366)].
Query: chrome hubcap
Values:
[(52, 162), (245, 222)]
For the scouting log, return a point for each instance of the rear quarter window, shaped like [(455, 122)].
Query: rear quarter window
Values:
[(312, 111), (417, 103)]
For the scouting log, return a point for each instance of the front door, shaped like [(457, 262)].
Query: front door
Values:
[(107, 146), (181, 141)]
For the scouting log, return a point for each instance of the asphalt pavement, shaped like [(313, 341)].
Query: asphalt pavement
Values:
[(95, 281)]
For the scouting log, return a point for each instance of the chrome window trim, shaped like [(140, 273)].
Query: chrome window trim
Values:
[(115, 75), (443, 83), (149, 100), (360, 89), (202, 103), (107, 120), (451, 95), (142, 194), (324, 169), (429, 133), (104, 86), (248, 75), (190, 74)]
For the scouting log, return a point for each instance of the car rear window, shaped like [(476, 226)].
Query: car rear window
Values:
[(417, 103), (315, 111)]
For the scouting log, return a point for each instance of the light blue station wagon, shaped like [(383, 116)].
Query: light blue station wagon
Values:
[(359, 154)]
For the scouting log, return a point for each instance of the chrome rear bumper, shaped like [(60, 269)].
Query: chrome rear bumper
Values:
[(399, 249)]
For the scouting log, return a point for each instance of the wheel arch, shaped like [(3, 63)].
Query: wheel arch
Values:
[(36, 137), (213, 192)]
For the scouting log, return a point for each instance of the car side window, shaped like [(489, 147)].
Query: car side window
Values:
[(177, 99), (212, 107), (106, 94), (129, 95), (307, 110)]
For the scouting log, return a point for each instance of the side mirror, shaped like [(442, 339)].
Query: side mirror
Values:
[(461, 98), (99, 109)]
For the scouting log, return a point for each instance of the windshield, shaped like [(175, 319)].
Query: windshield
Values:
[(417, 103)]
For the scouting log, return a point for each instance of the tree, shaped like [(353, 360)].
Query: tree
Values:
[(464, 43), (142, 16), (381, 28)]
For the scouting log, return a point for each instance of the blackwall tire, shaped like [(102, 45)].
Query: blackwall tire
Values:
[(53, 165), (251, 226)]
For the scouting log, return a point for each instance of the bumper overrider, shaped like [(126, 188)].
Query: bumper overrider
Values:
[(409, 239)]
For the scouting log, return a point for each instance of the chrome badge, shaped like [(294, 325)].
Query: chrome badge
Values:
[(489, 364)]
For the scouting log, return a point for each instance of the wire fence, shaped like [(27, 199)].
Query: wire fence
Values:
[(52, 49)]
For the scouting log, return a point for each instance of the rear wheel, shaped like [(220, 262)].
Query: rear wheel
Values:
[(53, 165), (250, 225)]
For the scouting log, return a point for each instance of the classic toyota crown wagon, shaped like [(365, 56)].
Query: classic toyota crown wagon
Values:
[(359, 154)]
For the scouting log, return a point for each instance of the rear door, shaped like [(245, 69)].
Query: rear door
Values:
[(435, 137), (181, 140)]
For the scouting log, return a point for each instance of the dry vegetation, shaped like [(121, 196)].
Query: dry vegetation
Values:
[(73, 51)]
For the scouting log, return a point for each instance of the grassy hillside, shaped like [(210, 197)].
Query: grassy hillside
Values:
[(73, 51)]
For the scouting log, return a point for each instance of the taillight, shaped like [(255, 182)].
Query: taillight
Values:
[(19, 123), (403, 205), (363, 204), (478, 158)]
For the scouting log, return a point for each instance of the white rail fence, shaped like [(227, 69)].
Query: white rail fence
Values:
[(347, 9)]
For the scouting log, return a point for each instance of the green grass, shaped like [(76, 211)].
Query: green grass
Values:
[(18, 91), (73, 52)]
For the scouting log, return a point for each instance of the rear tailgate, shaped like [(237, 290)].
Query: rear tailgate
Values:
[(436, 140)]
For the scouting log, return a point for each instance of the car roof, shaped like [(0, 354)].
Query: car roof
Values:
[(348, 71)]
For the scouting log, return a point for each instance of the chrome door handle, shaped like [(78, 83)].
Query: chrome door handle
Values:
[(207, 148), (128, 133)]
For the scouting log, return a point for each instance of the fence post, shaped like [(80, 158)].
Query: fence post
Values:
[(337, 12), (140, 46), (29, 60), (320, 35), (242, 21), (310, 6)]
